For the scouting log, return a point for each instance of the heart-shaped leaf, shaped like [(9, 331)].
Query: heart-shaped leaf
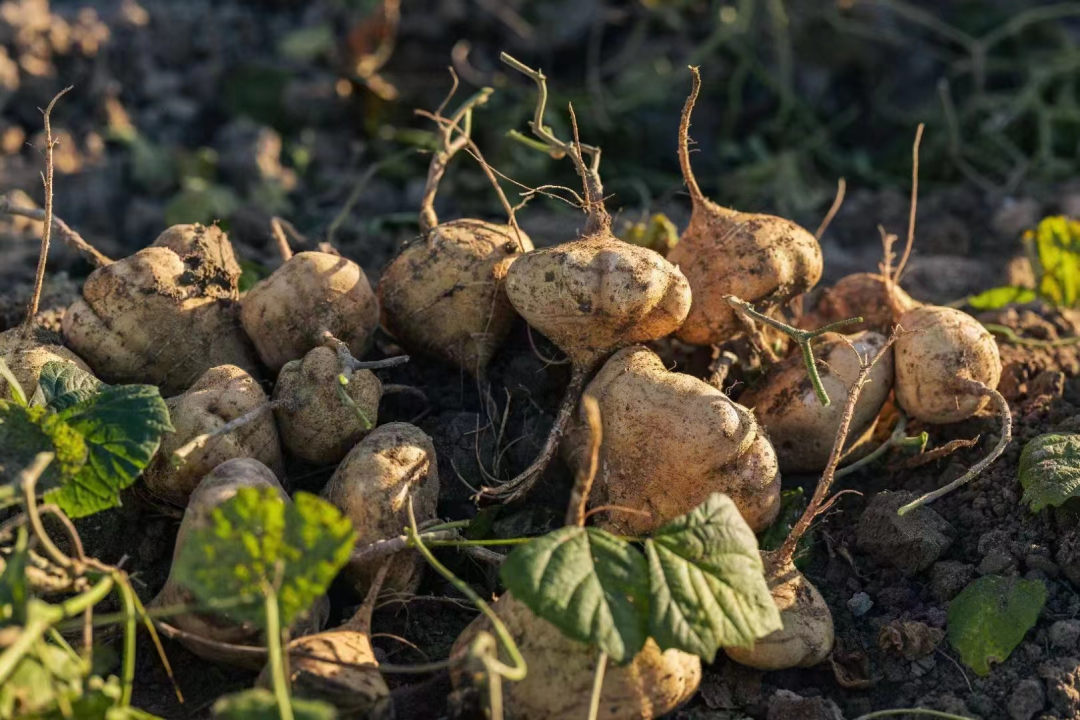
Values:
[(255, 539), (990, 617), (122, 428), (63, 384), (588, 583), (1050, 470), (708, 582)]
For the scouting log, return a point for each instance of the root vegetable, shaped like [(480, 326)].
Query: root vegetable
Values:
[(764, 260), (670, 441), (209, 635), (786, 404), (862, 294), (339, 666), (164, 315), (808, 633), (944, 349), (372, 487), (315, 424), (221, 395), (443, 296), (310, 295), (590, 296), (560, 678)]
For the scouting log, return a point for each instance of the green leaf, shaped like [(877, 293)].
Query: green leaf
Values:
[(259, 704), (122, 428), (1050, 470), (708, 582), (254, 539), (63, 384), (588, 583), (1056, 262), (990, 617), (999, 297)]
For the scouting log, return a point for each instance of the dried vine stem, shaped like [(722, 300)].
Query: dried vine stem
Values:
[(61, 228), (579, 496), (46, 230), (599, 219), (460, 121), (818, 502)]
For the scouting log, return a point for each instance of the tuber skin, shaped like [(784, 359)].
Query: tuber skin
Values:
[(808, 634), (590, 296), (786, 404), (868, 295), (164, 315), (26, 349), (311, 294), (443, 296), (763, 259), (339, 666), (229, 642), (315, 424), (940, 346), (560, 678), (221, 395), (671, 440), (372, 487)]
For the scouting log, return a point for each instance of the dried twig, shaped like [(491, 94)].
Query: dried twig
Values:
[(579, 496), (841, 189)]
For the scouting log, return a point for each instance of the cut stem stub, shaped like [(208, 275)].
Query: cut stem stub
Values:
[(802, 337)]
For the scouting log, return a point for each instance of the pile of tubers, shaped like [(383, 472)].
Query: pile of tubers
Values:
[(260, 381)]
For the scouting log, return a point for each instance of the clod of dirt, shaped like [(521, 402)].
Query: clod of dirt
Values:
[(786, 705), (787, 405), (1028, 697), (316, 425), (671, 440), (220, 395), (1068, 555), (864, 295), (26, 350), (1062, 677), (948, 577), (1065, 635), (762, 259), (313, 293), (444, 296), (910, 542), (560, 677), (164, 315), (910, 638), (372, 487)]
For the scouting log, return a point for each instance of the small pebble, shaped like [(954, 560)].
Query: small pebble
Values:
[(1065, 634), (860, 604)]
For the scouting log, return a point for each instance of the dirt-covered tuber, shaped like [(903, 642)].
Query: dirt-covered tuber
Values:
[(230, 642), (164, 315), (310, 295), (372, 487), (559, 682), (316, 424), (26, 349), (786, 404), (670, 441), (763, 259), (221, 395), (868, 295)]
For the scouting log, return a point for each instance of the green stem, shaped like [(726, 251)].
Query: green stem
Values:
[(127, 678), (802, 337), (276, 658), (598, 685), (479, 543), (910, 711), (456, 524), (1009, 334), (46, 617), (516, 672), (347, 400), (895, 439)]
